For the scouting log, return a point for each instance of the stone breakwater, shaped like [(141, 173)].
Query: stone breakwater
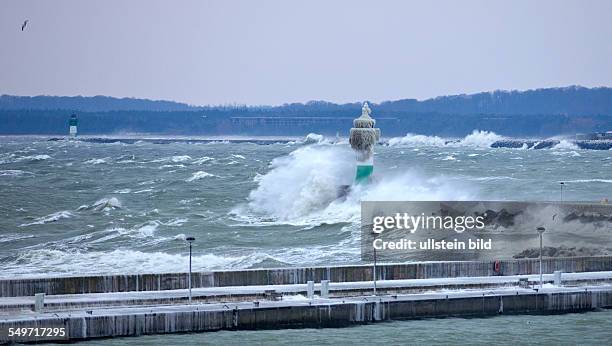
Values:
[(551, 143)]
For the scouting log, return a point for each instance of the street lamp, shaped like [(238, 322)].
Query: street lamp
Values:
[(540, 232), (562, 184), (190, 240)]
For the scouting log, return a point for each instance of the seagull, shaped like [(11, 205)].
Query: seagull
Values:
[(24, 24)]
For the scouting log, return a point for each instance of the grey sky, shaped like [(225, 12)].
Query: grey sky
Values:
[(272, 52)]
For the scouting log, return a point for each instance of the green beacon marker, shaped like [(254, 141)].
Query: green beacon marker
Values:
[(72, 123)]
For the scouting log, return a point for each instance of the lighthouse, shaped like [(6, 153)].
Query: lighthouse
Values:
[(72, 123), (363, 137)]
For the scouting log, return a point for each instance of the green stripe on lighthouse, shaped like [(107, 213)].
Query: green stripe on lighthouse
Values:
[(363, 136), (363, 173)]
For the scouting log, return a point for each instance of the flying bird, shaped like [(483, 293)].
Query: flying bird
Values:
[(24, 24)]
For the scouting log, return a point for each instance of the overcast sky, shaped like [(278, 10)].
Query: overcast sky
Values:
[(273, 52)]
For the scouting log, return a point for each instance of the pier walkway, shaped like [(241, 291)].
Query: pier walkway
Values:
[(297, 301)]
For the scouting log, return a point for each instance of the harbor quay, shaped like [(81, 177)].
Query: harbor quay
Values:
[(81, 308), (52, 285)]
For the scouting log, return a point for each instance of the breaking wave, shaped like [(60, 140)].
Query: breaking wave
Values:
[(120, 261), (65, 214), (479, 139), (314, 138), (303, 188), (565, 144), (199, 175), (417, 140), (175, 159), (7, 238), (180, 158), (32, 158), (104, 204), (301, 183), (14, 173), (95, 161), (202, 160)]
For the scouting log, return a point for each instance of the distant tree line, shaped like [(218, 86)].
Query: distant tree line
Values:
[(541, 112)]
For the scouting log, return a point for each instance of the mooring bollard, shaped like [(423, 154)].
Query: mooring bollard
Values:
[(310, 290), (557, 277), (39, 302), (324, 288)]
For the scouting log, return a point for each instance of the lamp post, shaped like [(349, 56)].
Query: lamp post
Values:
[(540, 232), (190, 240), (562, 184)]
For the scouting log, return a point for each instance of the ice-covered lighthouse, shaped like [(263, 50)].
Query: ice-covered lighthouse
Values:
[(363, 137)]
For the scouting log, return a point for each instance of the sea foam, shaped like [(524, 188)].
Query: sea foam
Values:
[(199, 175)]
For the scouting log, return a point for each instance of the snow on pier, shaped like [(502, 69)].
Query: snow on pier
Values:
[(305, 297)]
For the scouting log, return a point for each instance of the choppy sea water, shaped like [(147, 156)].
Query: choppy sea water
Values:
[(70, 207)]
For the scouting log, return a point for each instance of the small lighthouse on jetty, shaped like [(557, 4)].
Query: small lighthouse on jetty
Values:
[(72, 124), (363, 137)]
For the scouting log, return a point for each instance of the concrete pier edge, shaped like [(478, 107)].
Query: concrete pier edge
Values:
[(28, 286), (320, 313)]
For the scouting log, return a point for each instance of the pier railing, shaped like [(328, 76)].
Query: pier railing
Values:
[(28, 286)]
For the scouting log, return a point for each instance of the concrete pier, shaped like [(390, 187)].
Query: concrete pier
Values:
[(28, 286), (333, 296), (277, 292), (302, 313)]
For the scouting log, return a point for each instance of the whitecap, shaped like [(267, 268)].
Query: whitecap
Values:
[(609, 181), (119, 261), (493, 178), (104, 204), (31, 158), (65, 214), (417, 140), (565, 144), (176, 222), (199, 175), (14, 173), (313, 138), (202, 160), (478, 139), (6, 238), (96, 161), (180, 158), (180, 236), (148, 229)]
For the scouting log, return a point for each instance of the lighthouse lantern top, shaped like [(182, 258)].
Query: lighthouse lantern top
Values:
[(364, 121), (365, 110)]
